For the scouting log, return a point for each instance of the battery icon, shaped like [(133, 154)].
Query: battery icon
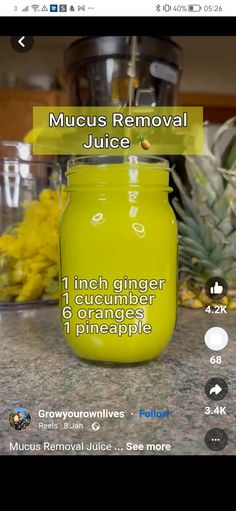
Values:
[(194, 8)]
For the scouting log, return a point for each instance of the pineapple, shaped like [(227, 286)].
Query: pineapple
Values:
[(207, 225)]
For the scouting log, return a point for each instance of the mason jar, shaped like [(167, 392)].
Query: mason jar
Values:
[(30, 194), (118, 258)]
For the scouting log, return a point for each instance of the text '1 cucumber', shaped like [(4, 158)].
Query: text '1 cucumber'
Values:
[(93, 308)]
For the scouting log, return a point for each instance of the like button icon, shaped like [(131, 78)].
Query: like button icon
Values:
[(216, 287)]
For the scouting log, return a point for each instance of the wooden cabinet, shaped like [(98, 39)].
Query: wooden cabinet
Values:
[(217, 108), (16, 110)]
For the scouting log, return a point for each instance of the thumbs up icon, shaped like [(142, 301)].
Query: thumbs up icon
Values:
[(217, 289)]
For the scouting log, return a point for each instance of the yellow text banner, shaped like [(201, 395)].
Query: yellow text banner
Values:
[(118, 130)]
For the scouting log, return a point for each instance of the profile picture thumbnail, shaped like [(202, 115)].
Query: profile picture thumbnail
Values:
[(19, 418)]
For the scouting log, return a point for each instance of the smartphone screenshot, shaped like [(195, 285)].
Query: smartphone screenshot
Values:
[(118, 228)]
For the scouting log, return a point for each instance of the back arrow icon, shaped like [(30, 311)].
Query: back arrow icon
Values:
[(20, 41)]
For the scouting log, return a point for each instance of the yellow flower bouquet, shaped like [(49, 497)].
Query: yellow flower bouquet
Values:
[(29, 255)]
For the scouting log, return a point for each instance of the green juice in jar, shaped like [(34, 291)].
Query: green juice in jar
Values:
[(118, 251)]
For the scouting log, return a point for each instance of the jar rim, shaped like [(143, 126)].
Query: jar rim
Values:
[(100, 160)]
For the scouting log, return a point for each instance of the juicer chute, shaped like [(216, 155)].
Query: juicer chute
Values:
[(101, 69)]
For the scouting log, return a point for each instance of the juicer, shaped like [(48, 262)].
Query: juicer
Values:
[(123, 70)]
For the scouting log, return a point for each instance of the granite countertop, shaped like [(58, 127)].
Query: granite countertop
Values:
[(40, 372)]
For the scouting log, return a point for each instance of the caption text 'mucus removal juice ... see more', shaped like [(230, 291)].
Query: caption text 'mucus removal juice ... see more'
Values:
[(118, 250)]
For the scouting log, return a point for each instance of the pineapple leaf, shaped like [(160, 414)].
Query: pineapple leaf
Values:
[(230, 273), (199, 257), (228, 125), (186, 200), (229, 175), (227, 267), (187, 219), (195, 245), (182, 213), (221, 253), (185, 230), (185, 260), (232, 238), (207, 225), (225, 226), (206, 167), (222, 205), (229, 155), (189, 273), (232, 203)]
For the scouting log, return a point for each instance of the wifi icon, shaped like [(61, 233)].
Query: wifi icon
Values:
[(35, 7)]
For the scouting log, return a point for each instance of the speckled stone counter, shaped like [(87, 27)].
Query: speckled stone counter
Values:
[(39, 372)]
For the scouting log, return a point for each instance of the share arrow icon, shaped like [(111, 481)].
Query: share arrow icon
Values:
[(215, 390)]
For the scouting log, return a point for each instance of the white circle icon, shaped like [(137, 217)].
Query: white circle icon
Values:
[(96, 426), (216, 338)]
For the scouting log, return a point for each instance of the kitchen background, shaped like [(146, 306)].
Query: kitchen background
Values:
[(38, 369), (37, 78), (29, 262)]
